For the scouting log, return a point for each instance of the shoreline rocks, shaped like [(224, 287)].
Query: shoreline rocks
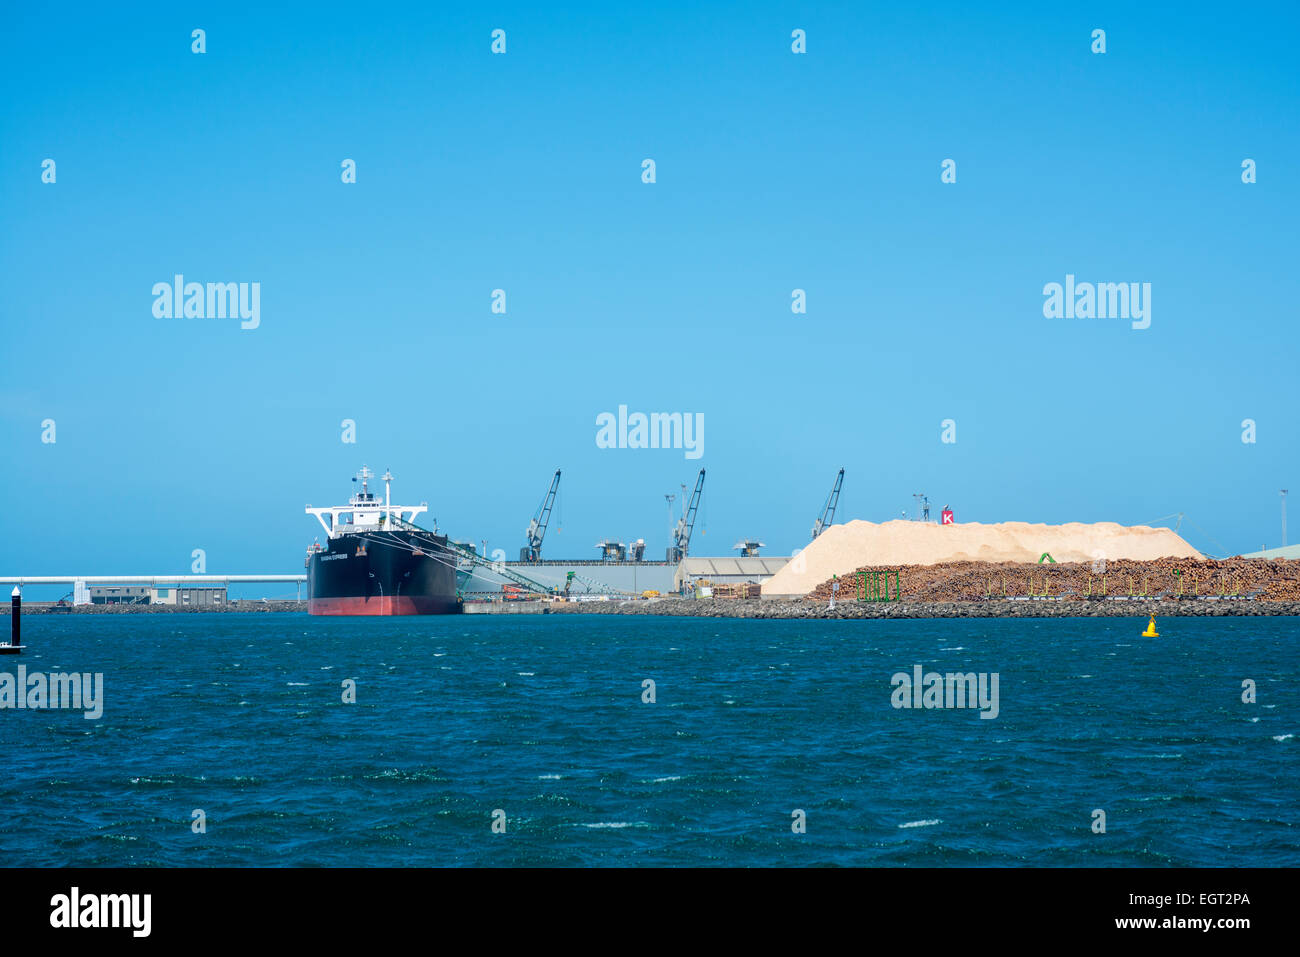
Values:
[(232, 608), (1030, 608), (793, 609)]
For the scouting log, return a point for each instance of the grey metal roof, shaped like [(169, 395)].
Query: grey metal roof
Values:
[(761, 565), (1289, 551)]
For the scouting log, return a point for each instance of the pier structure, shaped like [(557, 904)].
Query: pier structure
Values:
[(157, 585)]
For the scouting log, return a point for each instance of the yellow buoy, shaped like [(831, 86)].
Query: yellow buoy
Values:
[(1151, 629)]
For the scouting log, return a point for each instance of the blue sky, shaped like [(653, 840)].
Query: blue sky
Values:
[(522, 171)]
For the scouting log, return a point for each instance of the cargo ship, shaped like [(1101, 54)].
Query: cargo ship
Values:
[(377, 561)]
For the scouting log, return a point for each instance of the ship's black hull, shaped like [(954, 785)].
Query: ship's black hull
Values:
[(359, 575)]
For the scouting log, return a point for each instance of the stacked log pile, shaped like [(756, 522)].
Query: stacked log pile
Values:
[(1166, 578), (737, 590)]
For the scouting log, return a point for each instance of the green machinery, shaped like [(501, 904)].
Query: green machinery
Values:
[(874, 586)]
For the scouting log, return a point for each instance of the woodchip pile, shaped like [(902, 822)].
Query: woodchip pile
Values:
[(843, 548)]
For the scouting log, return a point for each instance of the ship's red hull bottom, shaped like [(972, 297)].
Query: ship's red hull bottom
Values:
[(386, 605)]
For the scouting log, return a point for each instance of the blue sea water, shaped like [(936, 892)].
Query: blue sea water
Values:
[(542, 718)]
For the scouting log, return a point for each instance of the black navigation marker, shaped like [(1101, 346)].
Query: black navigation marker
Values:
[(15, 624)]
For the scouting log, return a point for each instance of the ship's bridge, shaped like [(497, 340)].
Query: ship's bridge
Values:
[(364, 512)]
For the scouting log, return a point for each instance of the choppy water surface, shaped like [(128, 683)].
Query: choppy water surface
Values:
[(542, 717)]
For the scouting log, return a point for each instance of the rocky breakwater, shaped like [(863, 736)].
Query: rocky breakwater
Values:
[(997, 608), (233, 607)]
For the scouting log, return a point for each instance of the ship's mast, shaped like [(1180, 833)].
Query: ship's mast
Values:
[(388, 498)]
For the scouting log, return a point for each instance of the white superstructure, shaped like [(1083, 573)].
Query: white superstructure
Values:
[(364, 512)]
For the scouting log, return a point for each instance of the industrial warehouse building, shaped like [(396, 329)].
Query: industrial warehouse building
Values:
[(727, 570), (201, 596), (120, 594), (1291, 552)]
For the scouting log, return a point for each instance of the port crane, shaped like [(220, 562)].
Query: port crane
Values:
[(827, 516), (1200, 531), (591, 583), (532, 552), (686, 524)]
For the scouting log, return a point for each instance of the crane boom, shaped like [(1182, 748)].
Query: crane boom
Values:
[(472, 559), (686, 524), (532, 552), (827, 516)]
